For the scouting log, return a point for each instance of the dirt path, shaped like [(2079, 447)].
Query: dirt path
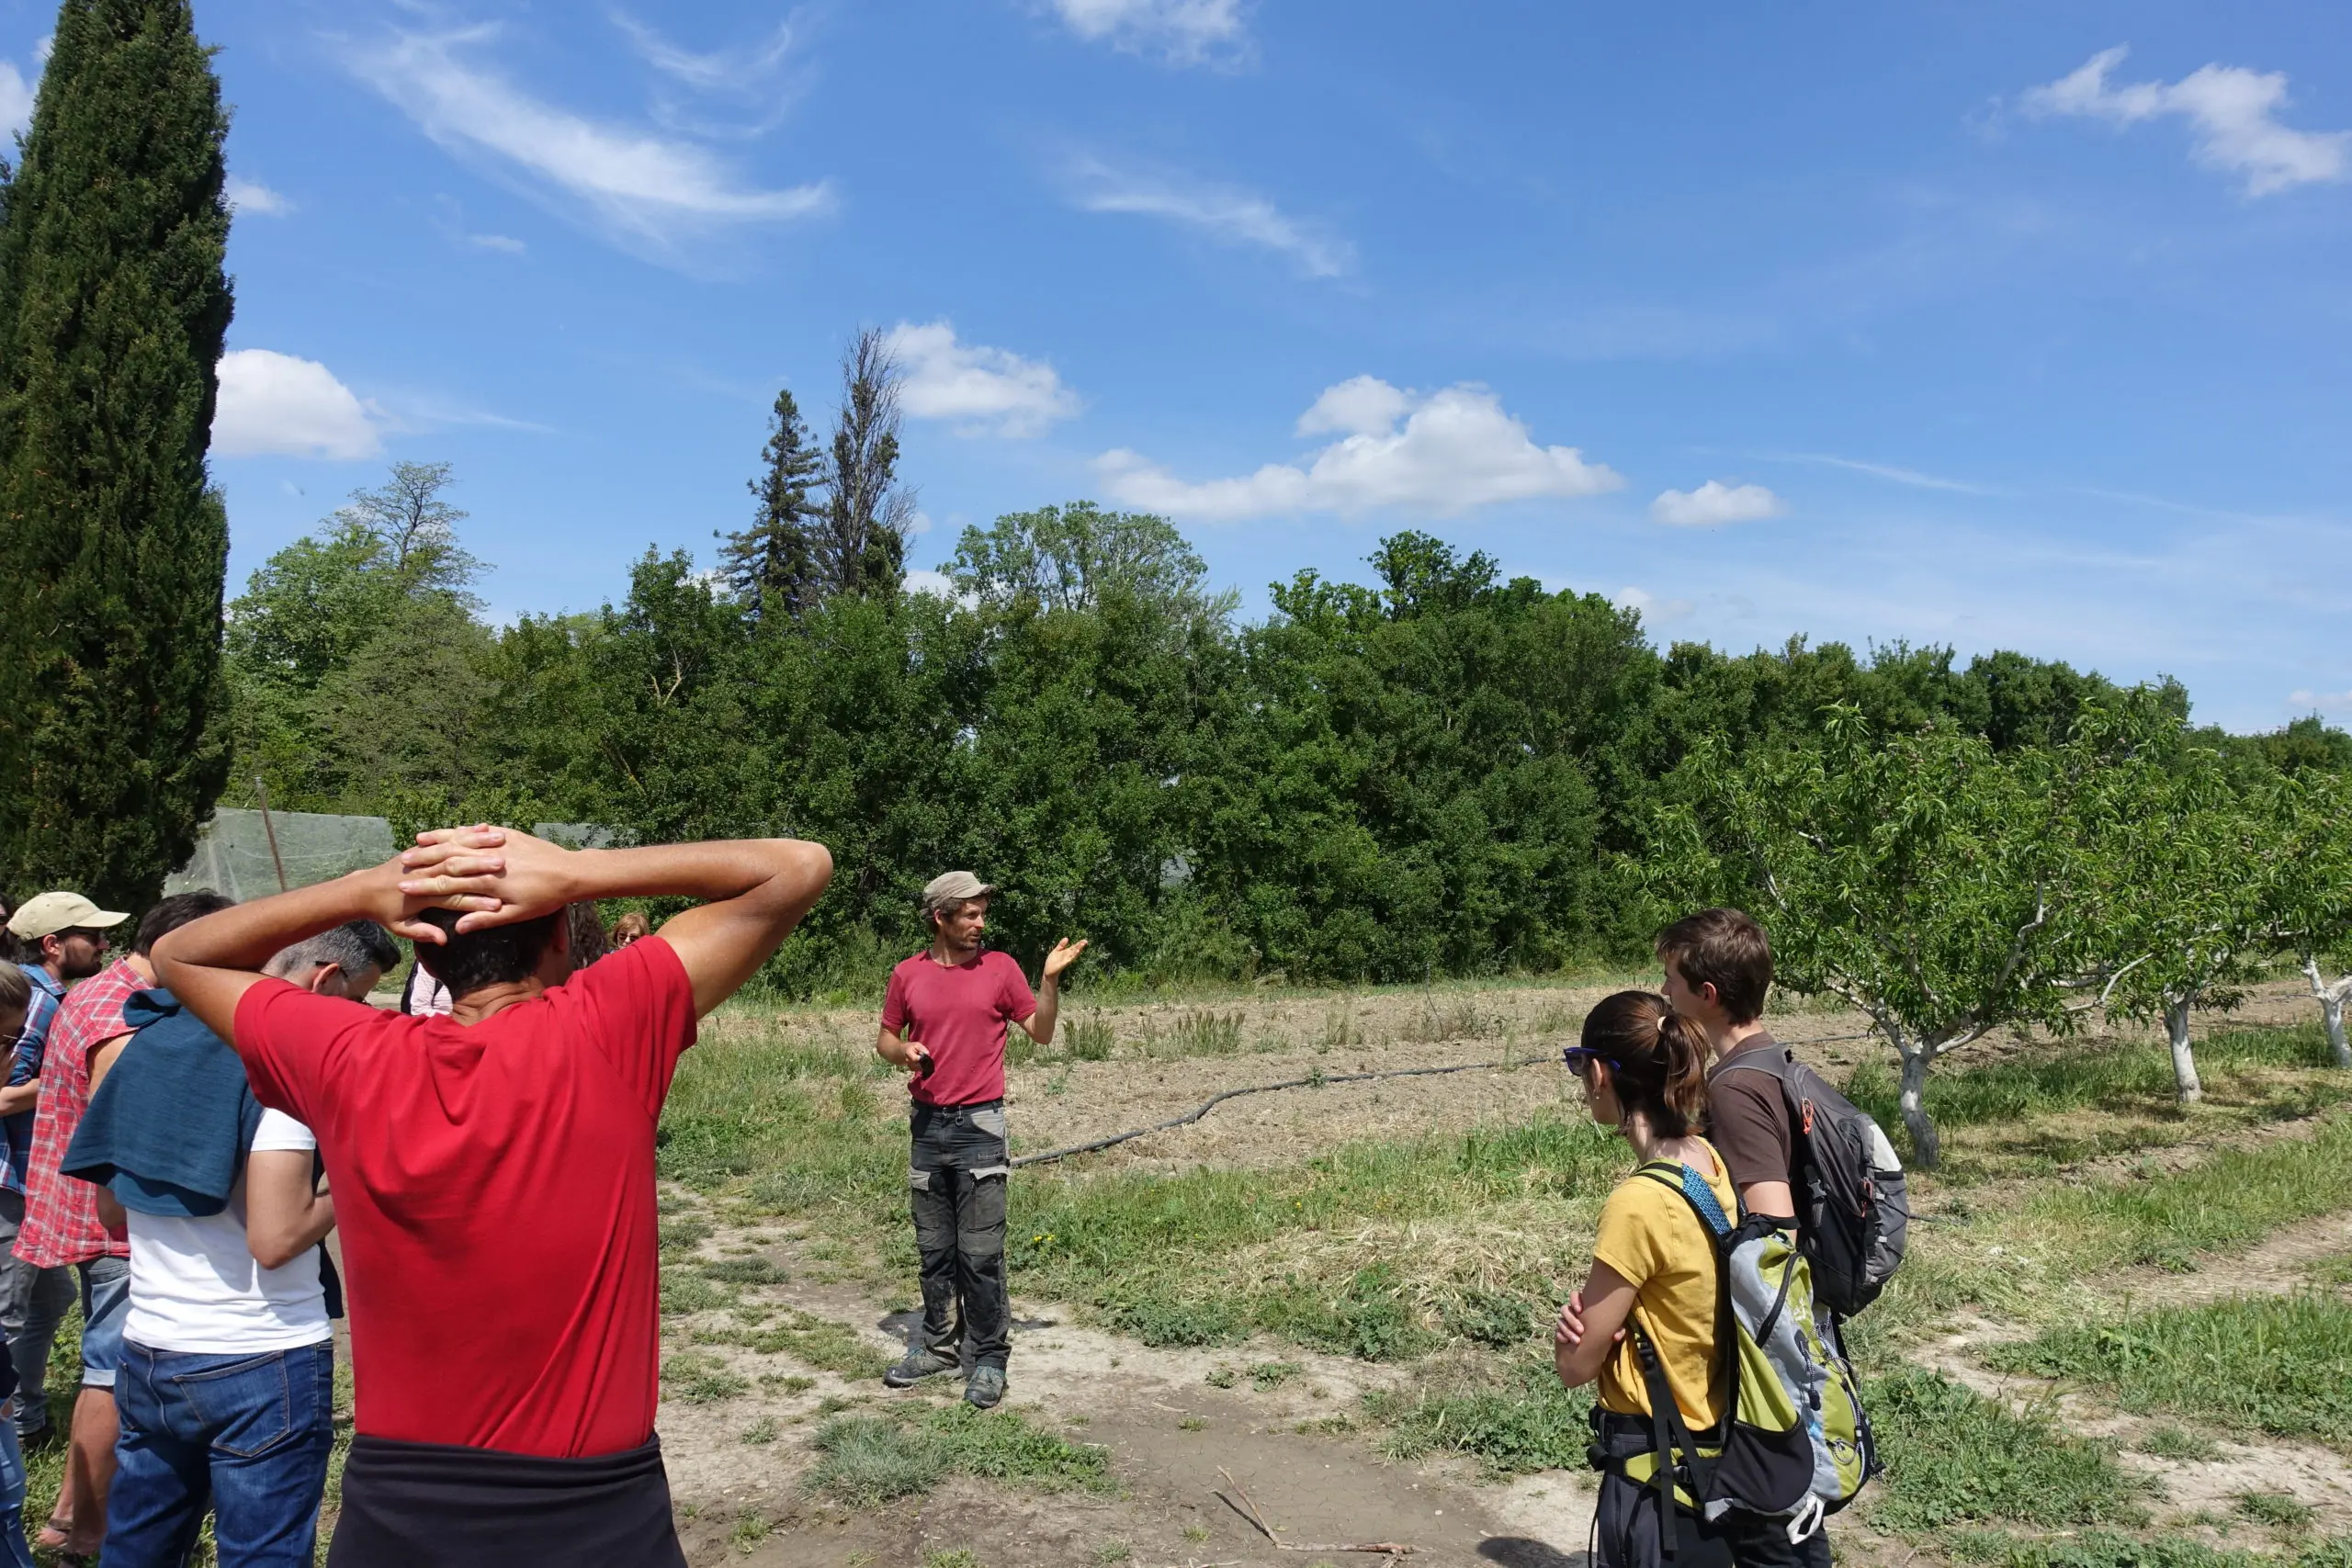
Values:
[(1169, 1431)]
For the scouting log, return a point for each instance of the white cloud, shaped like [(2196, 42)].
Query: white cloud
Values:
[(1225, 213), (1184, 33), (1651, 608), (982, 388), (15, 100), (504, 244), (2233, 109), (738, 71), (654, 192), (2321, 699), (1455, 451), (276, 404), (938, 584), (1887, 472), (252, 196), (1715, 504)]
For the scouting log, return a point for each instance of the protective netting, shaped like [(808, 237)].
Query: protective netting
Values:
[(232, 853)]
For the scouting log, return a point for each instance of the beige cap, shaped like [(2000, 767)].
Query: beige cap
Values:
[(54, 912), (952, 887)]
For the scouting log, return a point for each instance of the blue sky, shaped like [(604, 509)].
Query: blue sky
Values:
[(1992, 325)]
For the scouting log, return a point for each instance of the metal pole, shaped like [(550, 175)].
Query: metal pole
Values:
[(262, 791)]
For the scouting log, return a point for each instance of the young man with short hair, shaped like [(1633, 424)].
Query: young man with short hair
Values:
[(227, 1387), (1718, 969), (493, 1175), (943, 1019), (63, 939), (63, 1229)]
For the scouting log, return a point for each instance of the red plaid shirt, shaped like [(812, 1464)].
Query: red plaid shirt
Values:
[(61, 1214)]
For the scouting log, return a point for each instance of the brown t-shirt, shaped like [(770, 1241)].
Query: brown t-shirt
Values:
[(1748, 1121)]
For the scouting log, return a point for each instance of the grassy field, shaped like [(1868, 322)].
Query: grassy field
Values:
[(2073, 1181)]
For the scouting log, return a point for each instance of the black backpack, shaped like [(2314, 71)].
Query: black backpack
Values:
[(1853, 1207)]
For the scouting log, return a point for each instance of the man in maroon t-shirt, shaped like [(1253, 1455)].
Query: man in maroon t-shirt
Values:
[(943, 1019), (493, 1173)]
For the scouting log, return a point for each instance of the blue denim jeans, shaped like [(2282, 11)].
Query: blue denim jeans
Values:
[(14, 1551), (247, 1434)]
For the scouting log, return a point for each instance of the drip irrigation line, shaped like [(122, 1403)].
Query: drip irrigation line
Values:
[(1317, 1080)]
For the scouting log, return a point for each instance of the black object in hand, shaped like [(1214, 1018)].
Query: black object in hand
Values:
[(923, 1065)]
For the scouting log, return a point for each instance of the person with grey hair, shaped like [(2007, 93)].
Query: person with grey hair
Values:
[(227, 1387), (943, 1019), (357, 949)]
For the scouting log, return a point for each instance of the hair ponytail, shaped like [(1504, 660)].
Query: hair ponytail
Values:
[(1656, 1057)]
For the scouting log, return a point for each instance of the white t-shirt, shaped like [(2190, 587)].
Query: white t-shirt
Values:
[(196, 1288)]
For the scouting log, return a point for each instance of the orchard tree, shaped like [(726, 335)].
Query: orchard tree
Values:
[(2309, 895), (2186, 922), (1941, 889)]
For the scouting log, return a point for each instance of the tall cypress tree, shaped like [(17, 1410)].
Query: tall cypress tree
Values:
[(113, 308), (773, 562)]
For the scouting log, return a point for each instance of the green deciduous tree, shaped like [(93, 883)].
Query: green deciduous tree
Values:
[(1942, 889), (867, 510), (2186, 922), (113, 308), (2309, 887)]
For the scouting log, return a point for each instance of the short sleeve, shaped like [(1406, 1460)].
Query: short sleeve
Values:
[(1015, 998), (291, 1042), (638, 1008), (1749, 1126), (1629, 1239), (894, 1002), (280, 1131)]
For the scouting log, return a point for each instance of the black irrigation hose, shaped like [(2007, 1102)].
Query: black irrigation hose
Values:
[(1317, 1081)]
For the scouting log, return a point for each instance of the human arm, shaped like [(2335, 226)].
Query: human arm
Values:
[(1775, 1200), (285, 1217), (1039, 1025), (754, 891), (906, 1054), (20, 1097), (1590, 1326)]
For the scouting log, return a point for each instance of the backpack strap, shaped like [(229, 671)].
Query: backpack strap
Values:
[(1670, 1433)]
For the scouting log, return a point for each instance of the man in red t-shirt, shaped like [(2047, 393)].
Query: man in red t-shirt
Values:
[(492, 1172), (943, 1019)]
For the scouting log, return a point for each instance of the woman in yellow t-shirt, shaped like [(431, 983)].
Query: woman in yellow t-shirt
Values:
[(1644, 1068)]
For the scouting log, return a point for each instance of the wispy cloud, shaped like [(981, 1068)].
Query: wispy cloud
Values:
[(504, 244), (15, 100), (252, 196), (982, 389), (1227, 214), (1715, 503), (1888, 471), (760, 74), (2235, 111), (1455, 450), (651, 192), (1183, 33), (278, 404)]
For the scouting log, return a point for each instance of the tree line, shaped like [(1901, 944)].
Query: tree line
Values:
[(1441, 772)]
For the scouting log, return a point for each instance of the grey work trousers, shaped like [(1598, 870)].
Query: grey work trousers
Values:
[(955, 1179)]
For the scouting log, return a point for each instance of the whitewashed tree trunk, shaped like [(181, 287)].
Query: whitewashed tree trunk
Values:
[(1917, 1056), (2331, 999), (2184, 1063)]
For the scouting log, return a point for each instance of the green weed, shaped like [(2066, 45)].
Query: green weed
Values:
[(1089, 1038), (763, 1431), (1268, 1376), (2276, 1509), (678, 1237), (1513, 1421), (744, 1271), (1955, 1458), (749, 1531), (960, 1557), (867, 1459), (2277, 1364), (1206, 1034), (2106, 1549), (692, 1378), (2177, 1442), (812, 1340), (683, 1294)]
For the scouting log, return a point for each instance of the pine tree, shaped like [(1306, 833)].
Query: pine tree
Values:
[(773, 562), (868, 512), (113, 308)]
